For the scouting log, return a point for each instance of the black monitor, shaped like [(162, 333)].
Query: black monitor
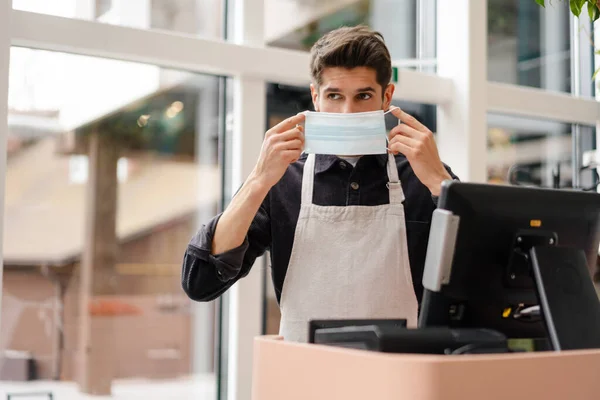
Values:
[(515, 259)]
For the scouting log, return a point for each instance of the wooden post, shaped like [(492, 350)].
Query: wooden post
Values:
[(97, 273)]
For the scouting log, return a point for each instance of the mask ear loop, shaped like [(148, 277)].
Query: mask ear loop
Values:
[(392, 108)]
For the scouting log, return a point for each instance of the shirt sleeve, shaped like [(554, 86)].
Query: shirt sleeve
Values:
[(205, 276), (454, 177)]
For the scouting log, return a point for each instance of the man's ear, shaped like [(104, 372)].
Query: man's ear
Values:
[(388, 94), (314, 93)]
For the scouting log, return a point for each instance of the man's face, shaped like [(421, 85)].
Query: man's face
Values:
[(350, 90)]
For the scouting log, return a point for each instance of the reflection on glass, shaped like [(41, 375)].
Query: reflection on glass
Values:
[(298, 25), (112, 166), (532, 152), (196, 17), (529, 45)]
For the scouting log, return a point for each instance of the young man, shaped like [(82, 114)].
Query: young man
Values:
[(330, 258)]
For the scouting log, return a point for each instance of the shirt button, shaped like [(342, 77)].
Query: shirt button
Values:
[(342, 165), (354, 185)]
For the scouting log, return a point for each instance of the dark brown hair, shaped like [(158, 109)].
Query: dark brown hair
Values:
[(351, 47)]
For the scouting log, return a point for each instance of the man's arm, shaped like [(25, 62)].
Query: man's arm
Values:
[(235, 222), (225, 250), (282, 146), (205, 276)]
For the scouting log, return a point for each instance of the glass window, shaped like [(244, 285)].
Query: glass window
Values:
[(534, 152), (156, 133), (196, 17), (532, 46), (529, 45), (407, 25)]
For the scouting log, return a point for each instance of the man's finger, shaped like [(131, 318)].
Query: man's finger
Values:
[(292, 155), (407, 131), (406, 141), (398, 147), (409, 119), (295, 144), (294, 133), (288, 123)]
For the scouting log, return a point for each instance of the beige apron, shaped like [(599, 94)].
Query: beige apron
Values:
[(347, 262)]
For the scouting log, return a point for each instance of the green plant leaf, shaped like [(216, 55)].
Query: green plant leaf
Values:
[(593, 10), (595, 73), (576, 7), (541, 3)]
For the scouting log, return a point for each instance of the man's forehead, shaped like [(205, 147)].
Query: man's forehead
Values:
[(348, 79)]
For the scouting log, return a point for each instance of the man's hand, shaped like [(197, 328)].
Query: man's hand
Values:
[(416, 142), (282, 146)]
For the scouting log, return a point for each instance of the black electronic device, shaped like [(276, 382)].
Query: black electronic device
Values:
[(480, 270), (569, 302), (315, 324), (391, 339)]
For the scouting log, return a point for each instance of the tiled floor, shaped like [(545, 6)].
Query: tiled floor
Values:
[(196, 388)]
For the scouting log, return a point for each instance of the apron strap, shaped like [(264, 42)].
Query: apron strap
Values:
[(308, 179), (394, 185)]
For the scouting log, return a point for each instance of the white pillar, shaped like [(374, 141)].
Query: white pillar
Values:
[(5, 11), (249, 109), (553, 70), (462, 57), (555, 50), (203, 318)]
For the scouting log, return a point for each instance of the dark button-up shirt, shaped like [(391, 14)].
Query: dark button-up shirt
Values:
[(337, 183)]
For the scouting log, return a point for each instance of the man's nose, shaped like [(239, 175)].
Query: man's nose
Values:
[(349, 107)]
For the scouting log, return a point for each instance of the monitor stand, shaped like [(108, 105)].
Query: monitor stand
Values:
[(568, 300)]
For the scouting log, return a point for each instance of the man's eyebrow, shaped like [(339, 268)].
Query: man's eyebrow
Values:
[(359, 90), (366, 89)]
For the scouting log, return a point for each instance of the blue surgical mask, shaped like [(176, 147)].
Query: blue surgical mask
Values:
[(349, 134)]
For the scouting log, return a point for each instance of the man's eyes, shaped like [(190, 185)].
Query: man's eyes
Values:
[(360, 96)]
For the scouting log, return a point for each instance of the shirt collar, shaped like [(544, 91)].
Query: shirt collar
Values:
[(324, 162)]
